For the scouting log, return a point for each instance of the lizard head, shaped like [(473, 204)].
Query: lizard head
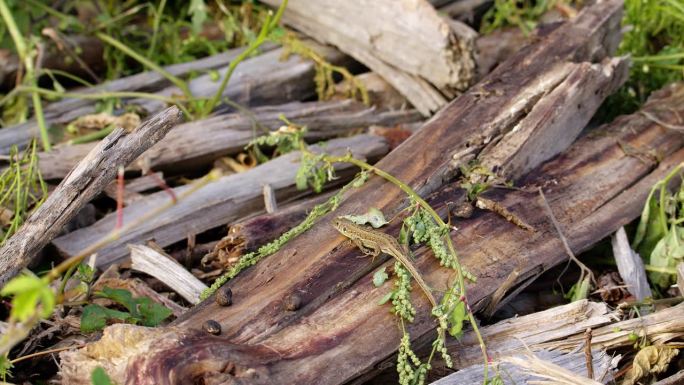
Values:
[(342, 225)]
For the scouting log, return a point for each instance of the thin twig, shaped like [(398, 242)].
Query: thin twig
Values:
[(656, 120), (564, 240), (587, 353), (44, 352)]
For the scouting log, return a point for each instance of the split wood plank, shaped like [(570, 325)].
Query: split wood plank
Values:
[(259, 80), (513, 374), (82, 184), (348, 331), (406, 42), (168, 271), (630, 266), (516, 335), (196, 144), (219, 202)]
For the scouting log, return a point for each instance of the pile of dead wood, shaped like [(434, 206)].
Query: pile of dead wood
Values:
[(309, 313)]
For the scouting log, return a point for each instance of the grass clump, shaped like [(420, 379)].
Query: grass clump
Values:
[(21, 190), (655, 40)]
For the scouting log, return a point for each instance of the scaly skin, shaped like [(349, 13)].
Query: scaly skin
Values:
[(373, 242)]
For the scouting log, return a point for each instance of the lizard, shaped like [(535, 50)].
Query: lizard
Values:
[(373, 242)]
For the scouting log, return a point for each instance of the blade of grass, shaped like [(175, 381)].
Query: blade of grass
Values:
[(155, 27), (178, 82), (22, 52), (270, 23), (105, 95)]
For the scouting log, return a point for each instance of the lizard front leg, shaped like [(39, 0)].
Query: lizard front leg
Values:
[(367, 251)]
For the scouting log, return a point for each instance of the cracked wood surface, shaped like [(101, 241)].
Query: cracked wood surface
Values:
[(593, 188)]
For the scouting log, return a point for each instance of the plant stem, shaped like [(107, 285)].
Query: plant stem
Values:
[(44, 352), (178, 82), (155, 27), (22, 52), (413, 195), (104, 95), (93, 135), (269, 24)]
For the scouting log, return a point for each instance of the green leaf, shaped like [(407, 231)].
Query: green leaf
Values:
[(667, 253), (29, 292), (276, 33), (5, 367), (214, 75), (100, 377), (24, 305), (151, 312), (47, 300), (198, 12), (95, 317), (22, 283), (456, 318), (121, 296), (85, 273), (373, 217), (386, 298), (580, 290), (380, 277), (651, 227)]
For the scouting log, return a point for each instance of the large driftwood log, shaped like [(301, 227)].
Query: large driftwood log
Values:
[(340, 333), (593, 188), (84, 182), (227, 199), (200, 142), (259, 80), (406, 42)]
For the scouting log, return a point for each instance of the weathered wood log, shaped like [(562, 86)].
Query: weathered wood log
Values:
[(84, 182), (587, 210), (513, 374), (340, 333), (89, 53), (407, 43), (516, 335), (660, 328), (339, 338), (198, 143), (262, 79), (219, 202)]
